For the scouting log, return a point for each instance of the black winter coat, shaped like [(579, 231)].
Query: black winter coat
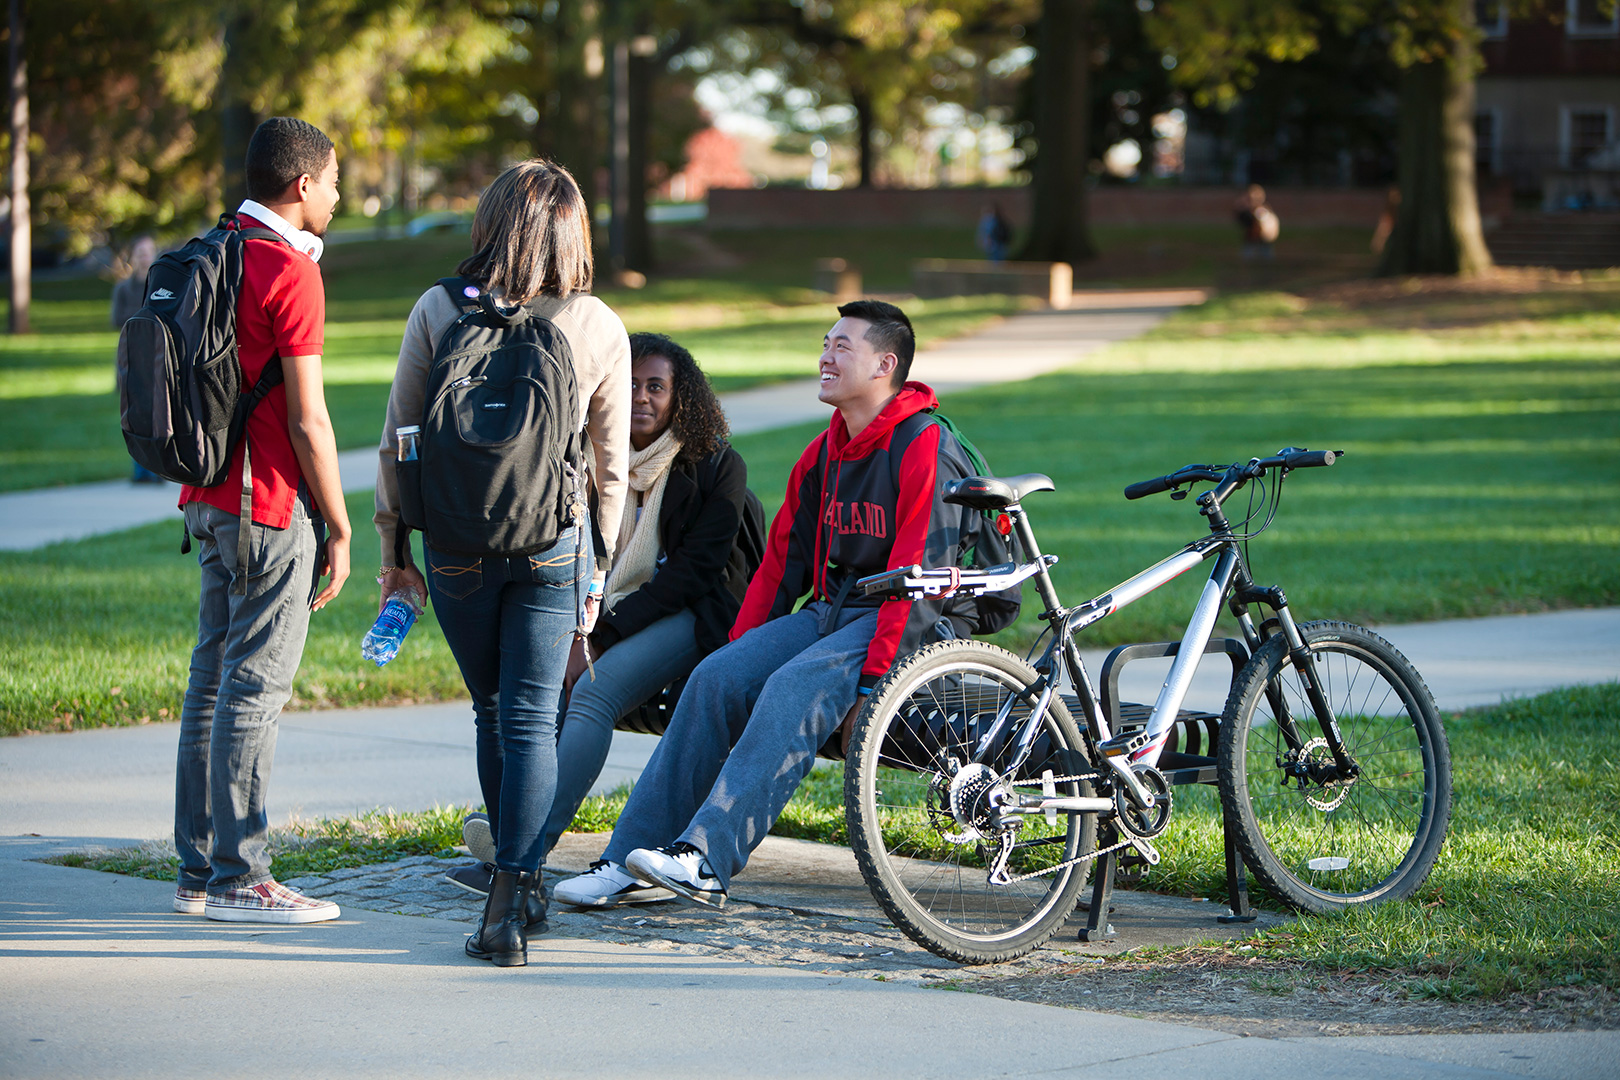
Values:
[(698, 569)]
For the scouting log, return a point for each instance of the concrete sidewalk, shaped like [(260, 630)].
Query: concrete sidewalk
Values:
[(1019, 347), (97, 979)]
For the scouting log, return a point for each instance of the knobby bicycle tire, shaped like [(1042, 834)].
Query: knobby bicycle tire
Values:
[(927, 871), (1324, 845)]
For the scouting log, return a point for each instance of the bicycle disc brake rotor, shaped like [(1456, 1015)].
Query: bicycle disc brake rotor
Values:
[(1317, 759)]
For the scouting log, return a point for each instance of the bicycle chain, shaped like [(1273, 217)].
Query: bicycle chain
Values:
[(1077, 860), (1130, 841)]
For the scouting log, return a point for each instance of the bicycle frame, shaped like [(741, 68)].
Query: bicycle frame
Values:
[(1229, 581)]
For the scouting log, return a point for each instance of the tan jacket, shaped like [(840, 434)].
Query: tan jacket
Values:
[(602, 367)]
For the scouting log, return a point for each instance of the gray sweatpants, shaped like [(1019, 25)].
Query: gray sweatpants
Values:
[(745, 734)]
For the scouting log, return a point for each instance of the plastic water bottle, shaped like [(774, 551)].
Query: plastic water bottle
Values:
[(398, 615)]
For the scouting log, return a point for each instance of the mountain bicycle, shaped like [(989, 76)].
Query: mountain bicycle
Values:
[(976, 792)]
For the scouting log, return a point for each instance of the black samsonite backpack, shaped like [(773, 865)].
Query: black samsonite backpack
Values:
[(499, 468)]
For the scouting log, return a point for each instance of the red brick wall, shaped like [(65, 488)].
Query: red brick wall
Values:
[(753, 208)]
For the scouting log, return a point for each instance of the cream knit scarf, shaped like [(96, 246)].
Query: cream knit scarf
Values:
[(636, 555)]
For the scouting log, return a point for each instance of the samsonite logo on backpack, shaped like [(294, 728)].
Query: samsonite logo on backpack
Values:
[(499, 460), (179, 383)]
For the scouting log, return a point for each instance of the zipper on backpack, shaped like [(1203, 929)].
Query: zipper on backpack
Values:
[(467, 380)]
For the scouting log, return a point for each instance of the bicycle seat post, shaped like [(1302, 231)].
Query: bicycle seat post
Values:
[(1032, 551)]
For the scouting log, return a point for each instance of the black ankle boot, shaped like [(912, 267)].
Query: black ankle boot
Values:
[(501, 936), (534, 910)]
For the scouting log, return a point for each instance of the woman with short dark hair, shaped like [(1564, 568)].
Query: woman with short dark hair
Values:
[(508, 619)]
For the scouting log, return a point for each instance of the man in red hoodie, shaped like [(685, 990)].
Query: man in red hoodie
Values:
[(864, 497)]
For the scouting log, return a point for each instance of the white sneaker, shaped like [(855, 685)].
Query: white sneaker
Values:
[(479, 840), (680, 868), (607, 885)]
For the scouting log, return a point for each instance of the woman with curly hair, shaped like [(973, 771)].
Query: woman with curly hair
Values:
[(676, 585)]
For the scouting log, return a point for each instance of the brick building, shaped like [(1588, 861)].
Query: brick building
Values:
[(1548, 103)]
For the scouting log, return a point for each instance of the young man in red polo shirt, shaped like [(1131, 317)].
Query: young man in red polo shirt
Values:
[(249, 645)]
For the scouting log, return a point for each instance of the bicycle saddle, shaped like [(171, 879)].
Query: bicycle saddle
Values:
[(995, 493)]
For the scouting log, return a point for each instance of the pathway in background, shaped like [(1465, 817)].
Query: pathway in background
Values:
[(1019, 347)]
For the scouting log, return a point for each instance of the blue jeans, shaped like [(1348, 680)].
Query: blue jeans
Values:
[(509, 624), (248, 649), (746, 732), (630, 672)]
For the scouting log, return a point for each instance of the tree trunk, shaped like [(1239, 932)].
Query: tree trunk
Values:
[(237, 119), (864, 122), (638, 243), (1437, 228), (22, 233), (619, 155), (571, 116), (1058, 230)]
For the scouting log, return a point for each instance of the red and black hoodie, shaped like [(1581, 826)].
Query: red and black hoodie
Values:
[(862, 506)]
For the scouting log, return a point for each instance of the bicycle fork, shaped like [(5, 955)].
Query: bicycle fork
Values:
[(1303, 662)]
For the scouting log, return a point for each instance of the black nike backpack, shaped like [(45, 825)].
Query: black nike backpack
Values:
[(499, 466), (180, 399)]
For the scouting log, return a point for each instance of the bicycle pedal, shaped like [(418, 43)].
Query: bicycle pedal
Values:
[(1124, 744)]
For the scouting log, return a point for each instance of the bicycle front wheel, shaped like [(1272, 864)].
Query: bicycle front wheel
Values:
[(1316, 840), (929, 868)]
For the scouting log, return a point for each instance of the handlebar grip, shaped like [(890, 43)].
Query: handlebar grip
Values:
[(1306, 459), (1148, 487)]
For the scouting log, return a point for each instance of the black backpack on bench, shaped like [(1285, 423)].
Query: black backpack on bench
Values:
[(499, 468)]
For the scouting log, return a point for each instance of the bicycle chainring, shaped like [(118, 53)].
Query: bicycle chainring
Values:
[(1139, 822)]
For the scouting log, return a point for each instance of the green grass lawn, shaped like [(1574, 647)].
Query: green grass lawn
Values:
[(1521, 901), (1481, 476), (739, 299), (59, 408)]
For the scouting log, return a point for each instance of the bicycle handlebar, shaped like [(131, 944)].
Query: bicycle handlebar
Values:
[(1184, 475), (1287, 459)]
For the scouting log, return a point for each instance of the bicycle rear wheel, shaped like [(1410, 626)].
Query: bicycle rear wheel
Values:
[(1315, 841), (927, 868)]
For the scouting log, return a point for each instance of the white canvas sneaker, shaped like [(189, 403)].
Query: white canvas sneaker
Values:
[(479, 840), (607, 885)]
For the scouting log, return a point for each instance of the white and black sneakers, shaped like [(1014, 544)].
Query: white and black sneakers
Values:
[(680, 868), (607, 885)]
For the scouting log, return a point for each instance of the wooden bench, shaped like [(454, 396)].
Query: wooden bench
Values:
[(1052, 282), (840, 277)]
